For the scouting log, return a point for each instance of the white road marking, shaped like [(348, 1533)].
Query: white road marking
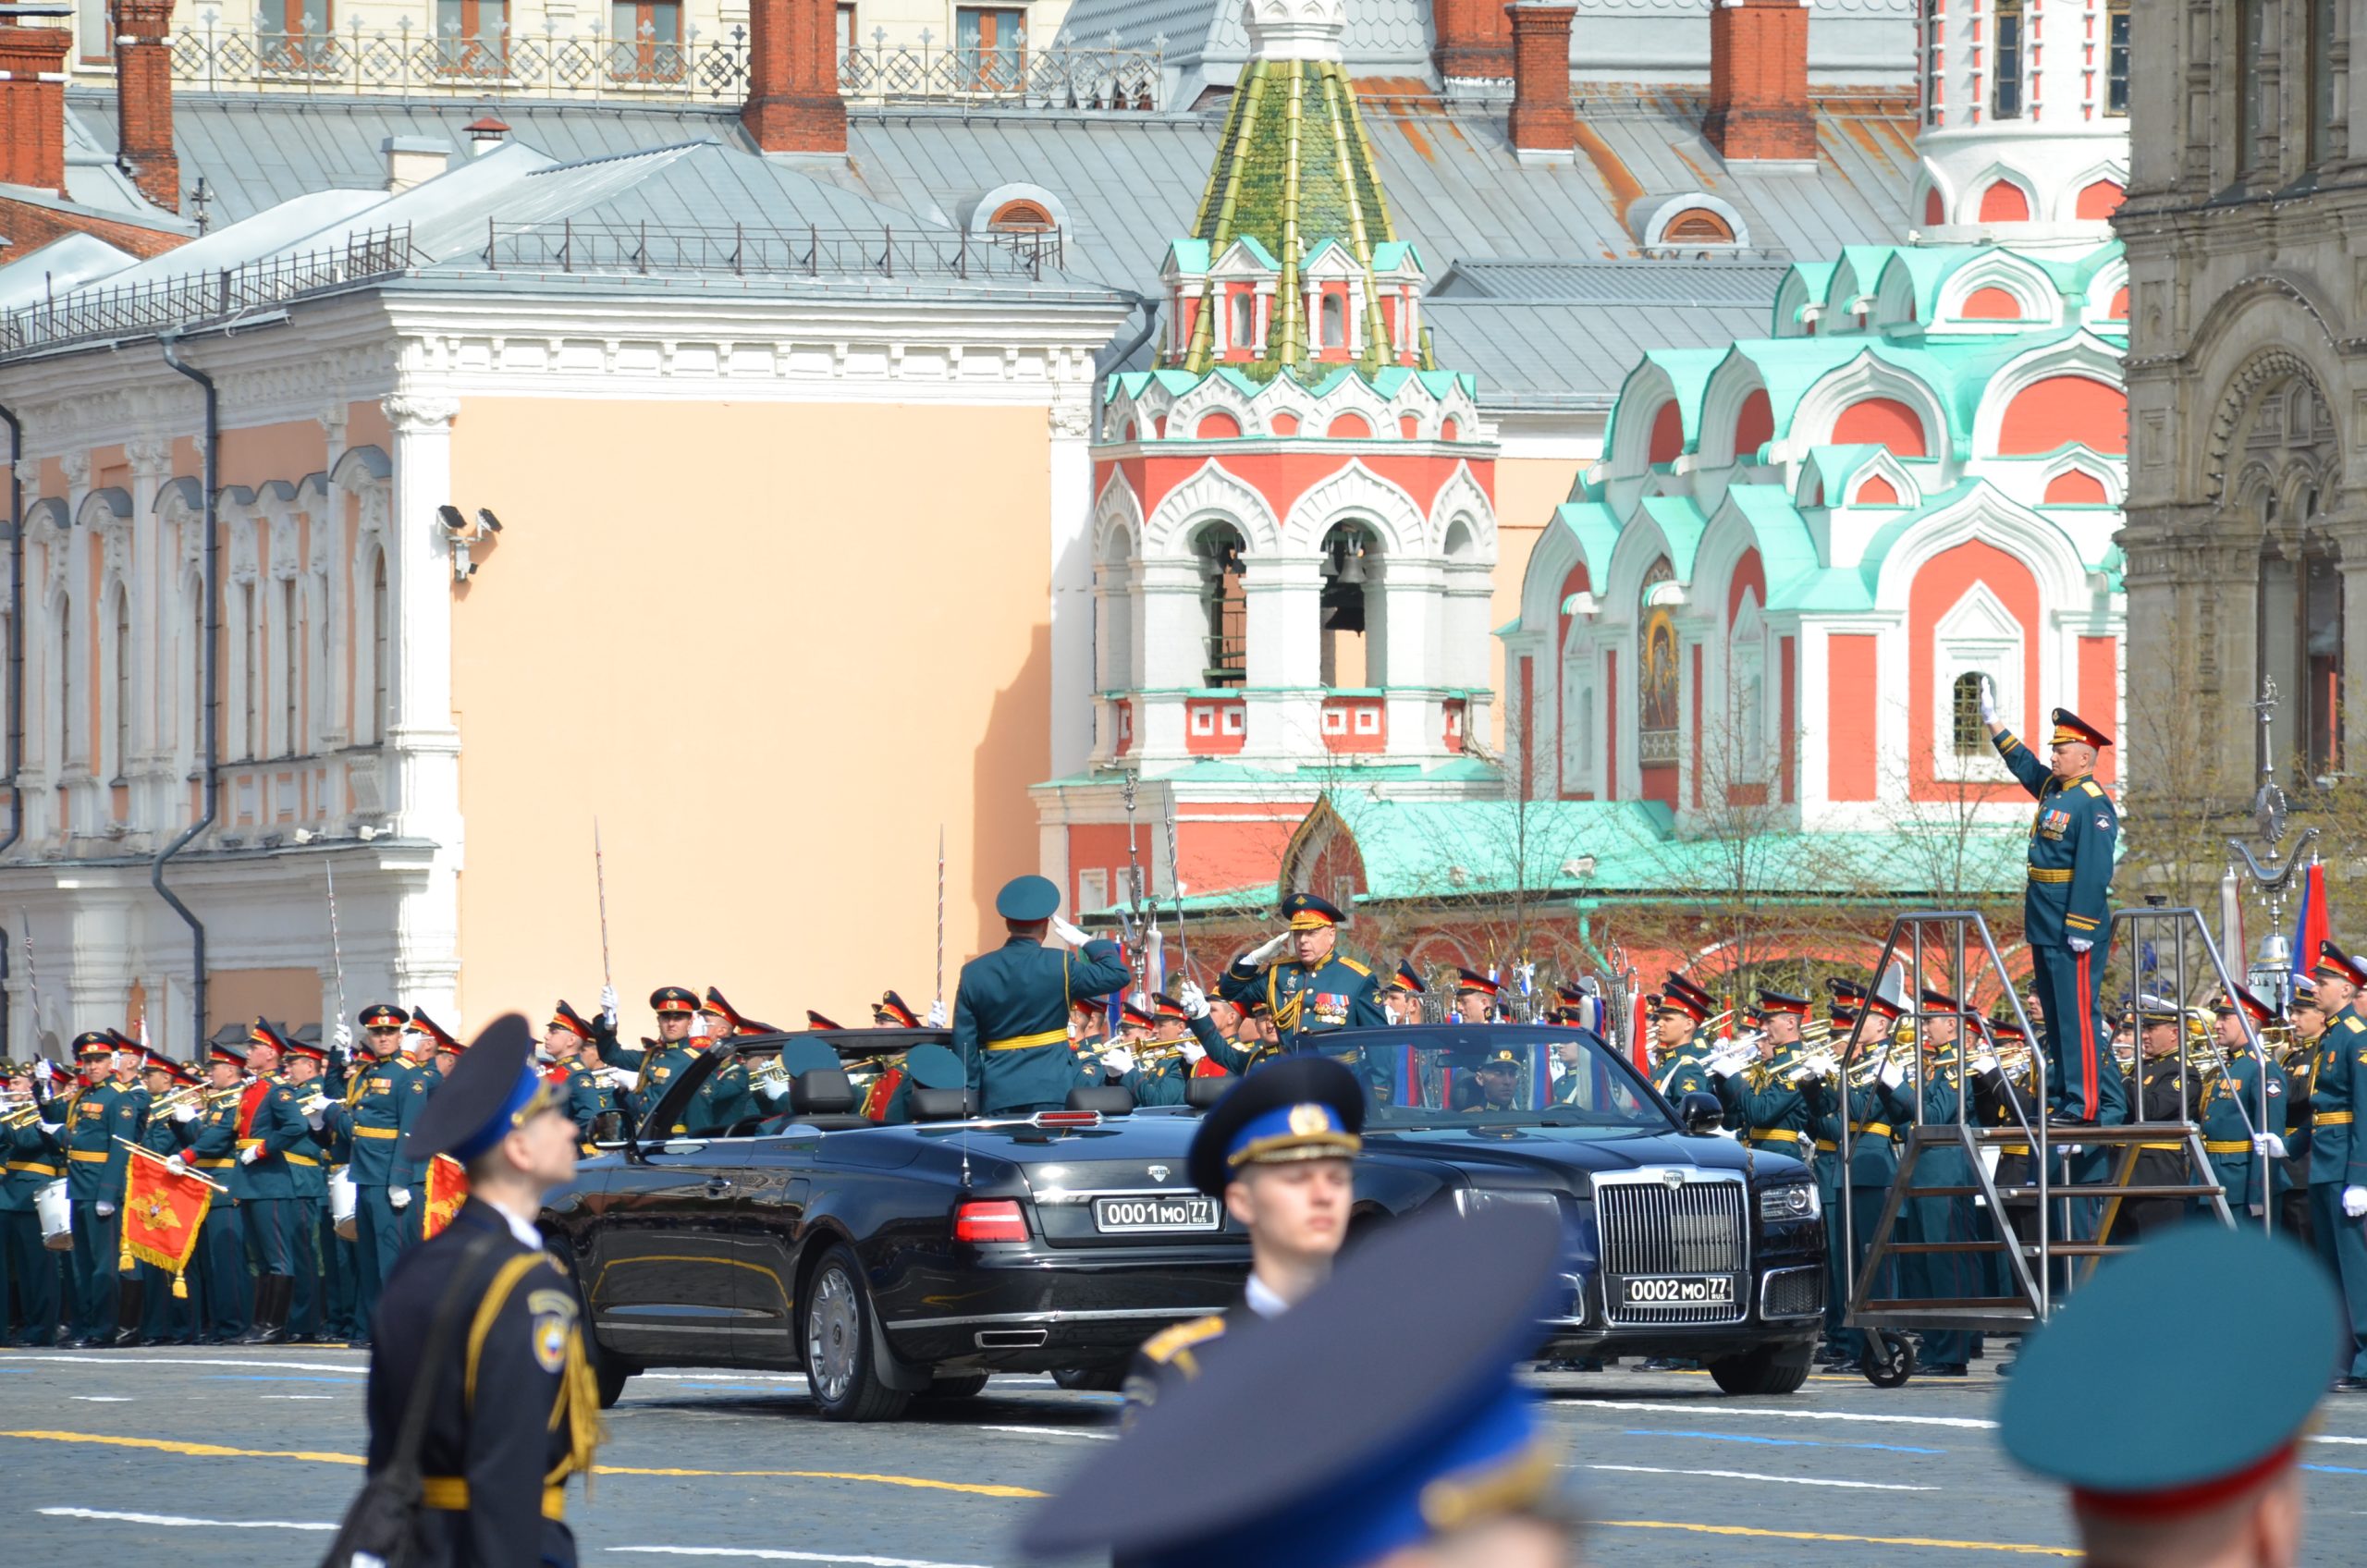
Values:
[(1724, 1411), (104, 1399), (1049, 1432), (720, 1375), (181, 1521), (1755, 1476), (299, 1396), (133, 1358), (773, 1555)]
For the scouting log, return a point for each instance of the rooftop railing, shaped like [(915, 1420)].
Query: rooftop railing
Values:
[(741, 252), (645, 67)]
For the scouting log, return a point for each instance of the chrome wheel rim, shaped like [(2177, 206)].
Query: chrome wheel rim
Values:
[(832, 1324)]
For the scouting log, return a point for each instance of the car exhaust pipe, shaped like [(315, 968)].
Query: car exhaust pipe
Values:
[(1011, 1339)]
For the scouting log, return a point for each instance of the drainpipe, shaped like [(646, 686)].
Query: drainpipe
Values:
[(1110, 360), (212, 733), (15, 667)]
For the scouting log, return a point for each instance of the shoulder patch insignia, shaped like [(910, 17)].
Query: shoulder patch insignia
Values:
[(1169, 1342), (2103, 822), (550, 1338)]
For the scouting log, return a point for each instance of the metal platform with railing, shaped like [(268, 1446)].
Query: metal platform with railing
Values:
[(2064, 1197)]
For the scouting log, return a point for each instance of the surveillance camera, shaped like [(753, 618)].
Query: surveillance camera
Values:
[(304, 835), (486, 521), (454, 523)]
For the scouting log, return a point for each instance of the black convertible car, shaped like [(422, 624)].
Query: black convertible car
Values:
[(895, 1261)]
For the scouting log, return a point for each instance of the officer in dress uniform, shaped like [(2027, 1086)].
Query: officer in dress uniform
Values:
[(2198, 1467), (569, 1040), (435, 1047), (2066, 908), (1402, 998), (303, 1065), (677, 1008), (271, 1141), (1873, 1097), (31, 1156), (1763, 1097), (1475, 996), (1173, 1024), (384, 1097), (1316, 990), (103, 1111), (1011, 1008), (2164, 1091), (1277, 1152), (2307, 1016), (1289, 1453), (340, 1321), (2338, 1093), (213, 1152), (2247, 1156), (1680, 1065), (164, 1320), (514, 1409), (1932, 1218)]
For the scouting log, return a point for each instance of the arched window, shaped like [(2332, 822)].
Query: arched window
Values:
[(1656, 671), (1697, 225), (1968, 735), (1350, 604), (65, 682), (370, 713), (1021, 217), (119, 747), (291, 659), (1243, 333), (1224, 607), (1335, 322), (2006, 66), (250, 608)]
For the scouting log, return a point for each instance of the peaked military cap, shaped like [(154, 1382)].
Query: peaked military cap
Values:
[(1133, 1014), (816, 1021), (94, 1042), (291, 1048), (890, 1009), (490, 1091), (673, 998), (2305, 993), (935, 1067), (1308, 913), (1288, 1452), (233, 1052), (2150, 1009), (718, 1005), (1783, 1001), (1471, 983), (1843, 990), (1680, 1001), (1167, 1007), (567, 1017), (2335, 965), (262, 1034), (2243, 1000), (1294, 1108), (425, 1026), (384, 1015), (2088, 1408), (1028, 898), (1937, 1001), (1407, 980), (2069, 726)]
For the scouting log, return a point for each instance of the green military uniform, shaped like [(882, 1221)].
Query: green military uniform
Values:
[(95, 1117), (33, 1159), (341, 1260), (271, 1141), (308, 1163), (1306, 1000), (586, 1097), (384, 1099), (1011, 1010), (2228, 1108), (2338, 1093), (224, 1298)]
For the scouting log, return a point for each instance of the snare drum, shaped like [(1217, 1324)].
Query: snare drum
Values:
[(342, 1199), (57, 1216)]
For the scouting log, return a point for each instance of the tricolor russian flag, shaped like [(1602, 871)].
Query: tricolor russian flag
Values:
[(2310, 925)]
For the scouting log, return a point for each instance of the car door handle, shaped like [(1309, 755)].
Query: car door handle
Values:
[(717, 1185)]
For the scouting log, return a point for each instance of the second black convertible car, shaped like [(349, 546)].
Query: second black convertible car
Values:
[(891, 1262)]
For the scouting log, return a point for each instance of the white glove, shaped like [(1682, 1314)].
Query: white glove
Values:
[(1725, 1064), (106, 1208), (42, 1072), (343, 1038), (1984, 1062), (1264, 953), (53, 1128), (2354, 1202), (398, 1197), (184, 1114), (1194, 1052), (614, 1077), (177, 1165), (1117, 1062), (1893, 1075), (936, 1019), (313, 1119), (1802, 1072), (2078, 944), (1193, 1000), (1988, 703), (250, 1155), (1069, 934), (2268, 1146), (773, 1091), (608, 1006)]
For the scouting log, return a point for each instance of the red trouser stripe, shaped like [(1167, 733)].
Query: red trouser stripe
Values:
[(2090, 1106)]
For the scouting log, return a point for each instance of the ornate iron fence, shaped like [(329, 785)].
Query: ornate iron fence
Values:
[(652, 248), (645, 68)]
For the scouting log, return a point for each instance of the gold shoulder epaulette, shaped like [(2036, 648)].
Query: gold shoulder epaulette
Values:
[(2091, 786), (1352, 963), (2353, 1025), (1169, 1342)]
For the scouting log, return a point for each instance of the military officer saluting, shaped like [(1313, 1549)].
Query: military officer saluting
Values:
[(385, 1099), (1277, 1152), (2067, 907), (1314, 991), (512, 1407), (1011, 1008)]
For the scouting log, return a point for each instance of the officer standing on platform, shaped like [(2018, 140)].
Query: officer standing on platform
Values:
[(2338, 1093), (103, 1111), (270, 1129), (384, 1097), (1011, 1008), (1316, 990), (513, 1408), (2066, 908)]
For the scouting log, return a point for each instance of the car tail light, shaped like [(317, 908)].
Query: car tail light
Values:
[(1065, 1118), (997, 1221)]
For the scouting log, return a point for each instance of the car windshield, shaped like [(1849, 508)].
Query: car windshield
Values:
[(1494, 1074)]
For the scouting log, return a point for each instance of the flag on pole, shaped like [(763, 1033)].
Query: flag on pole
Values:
[(162, 1211), (2310, 925), (1154, 965), (448, 1187)]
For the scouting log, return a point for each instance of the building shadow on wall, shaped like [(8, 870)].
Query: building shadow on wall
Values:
[(1016, 752)]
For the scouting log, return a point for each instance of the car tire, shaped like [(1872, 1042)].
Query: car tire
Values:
[(969, 1385), (836, 1338), (1091, 1380), (611, 1373), (1770, 1369)]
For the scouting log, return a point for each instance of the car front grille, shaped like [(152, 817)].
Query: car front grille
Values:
[(1651, 1228), (1792, 1292)]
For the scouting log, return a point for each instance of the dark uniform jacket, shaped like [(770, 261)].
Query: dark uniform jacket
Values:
[(2227, 1101), (1011, 1019), (386, 1098), (1339, 993), (269, 1122), (2337, 1092), (94, 1120), (515, 1408), (1179, 1354), (2157, 1086), (33, 1159), (2072, 837)]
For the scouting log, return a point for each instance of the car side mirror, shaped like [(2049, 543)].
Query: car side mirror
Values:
[(1701, 1113)]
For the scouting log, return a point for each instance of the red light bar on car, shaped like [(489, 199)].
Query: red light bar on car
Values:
[(999, 1220), (1065, 1118)]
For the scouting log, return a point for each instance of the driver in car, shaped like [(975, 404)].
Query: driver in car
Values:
[(1495, 1083)]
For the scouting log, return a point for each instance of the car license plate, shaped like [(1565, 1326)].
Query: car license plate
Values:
[(1183, 1212), (1678, 1289)]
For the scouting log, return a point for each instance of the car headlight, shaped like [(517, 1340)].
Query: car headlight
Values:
[(1480, 1200), (1794, 1200)]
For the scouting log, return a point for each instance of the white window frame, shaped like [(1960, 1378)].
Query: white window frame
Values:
[(1977, 633)]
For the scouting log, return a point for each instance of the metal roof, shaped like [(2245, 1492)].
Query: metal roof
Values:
[(1546, 355), (1702, 285)]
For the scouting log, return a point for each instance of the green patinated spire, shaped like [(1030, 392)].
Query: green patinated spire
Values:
[(1294, 170)]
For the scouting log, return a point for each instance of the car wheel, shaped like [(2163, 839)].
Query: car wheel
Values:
[(839, 1370), (1770, 1369), (1091, 1380), (1888, 1358), (967, 1386), (611, 1371)]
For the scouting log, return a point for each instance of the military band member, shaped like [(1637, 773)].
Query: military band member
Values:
[(1011, 1008), (272, 1138), (1277, 1152), (1180, 1022), (1680, 1067), (432, 1045), (1761, 1093), (514, 1410), (2067, 907), (101, 1112), (2338, 1093), (568, 1040), (1942, 1218), (1475, 996), (1402, 998), (2246, 1148), (213, 1152), (2307, 1015), (31, 1156), (1870, 1093), (162, 1320), (1314, 991), (385, 1099), (303, 1068), (2163, 1090)]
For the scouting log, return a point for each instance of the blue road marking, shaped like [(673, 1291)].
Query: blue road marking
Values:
[(1780, 1442), (2334, 1470)]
